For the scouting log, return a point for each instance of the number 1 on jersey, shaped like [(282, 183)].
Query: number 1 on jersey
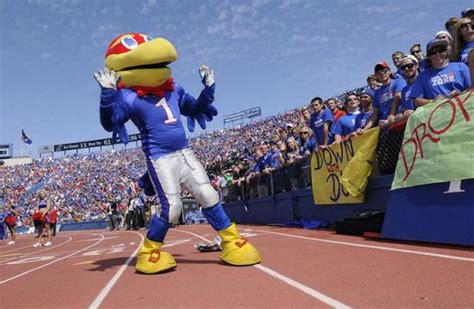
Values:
[(169, 113)]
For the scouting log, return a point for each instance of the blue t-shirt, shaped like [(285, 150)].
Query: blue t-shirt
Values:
[(316, 122), (259, 165), (362, 119), (271, 160), (383, 97), (407, 103), (398, 74), (310, 145), (435, 82), (157, 118), (423, 64), (465, 52), (345, 125)]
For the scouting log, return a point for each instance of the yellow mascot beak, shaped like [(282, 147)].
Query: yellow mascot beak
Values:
[(146, 65)]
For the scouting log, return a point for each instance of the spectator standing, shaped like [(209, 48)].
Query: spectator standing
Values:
[(409, 66), (386, 98), (332, 105), (282, 155), (396, 58), (315, 100), (140, 209), (464, 40), (320, 122), (113, 214), (292, 151), (450, 25), (442, 78), (416, 51), (364, 116), (346, 125), (372, 82), (308, 145), (469, 12), (306, 115), (445, 35)]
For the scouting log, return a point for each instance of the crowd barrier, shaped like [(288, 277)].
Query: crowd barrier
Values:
[(297, 176), (90, 225)]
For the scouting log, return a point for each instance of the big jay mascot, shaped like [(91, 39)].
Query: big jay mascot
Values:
[(136, 85)]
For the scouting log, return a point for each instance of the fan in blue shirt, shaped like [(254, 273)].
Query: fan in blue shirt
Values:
[(442, 79), (320, 122), (346, 124)]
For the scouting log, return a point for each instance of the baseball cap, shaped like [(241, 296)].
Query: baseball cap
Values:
[(408, 59), (445, 33), (467, 12), (435, 42), (381, 65), (289, 125), (368, 92)]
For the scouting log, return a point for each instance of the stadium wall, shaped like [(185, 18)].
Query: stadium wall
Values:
[(289, 206)]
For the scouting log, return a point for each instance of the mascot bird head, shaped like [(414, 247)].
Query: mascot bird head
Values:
[(140, 60)]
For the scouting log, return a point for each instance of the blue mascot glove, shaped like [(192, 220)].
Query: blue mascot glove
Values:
[(108, 80), (207, 114), (209, 111)]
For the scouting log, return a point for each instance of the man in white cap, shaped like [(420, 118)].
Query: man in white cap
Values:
[(409, 67)]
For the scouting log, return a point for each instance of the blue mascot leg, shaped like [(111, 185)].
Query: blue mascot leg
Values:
[(150, 259), (216, 216), (235, 249), (157, 229)]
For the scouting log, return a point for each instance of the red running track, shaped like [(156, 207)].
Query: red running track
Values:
[(299, 269)]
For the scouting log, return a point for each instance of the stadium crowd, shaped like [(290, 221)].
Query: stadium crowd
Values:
[(102, 185)]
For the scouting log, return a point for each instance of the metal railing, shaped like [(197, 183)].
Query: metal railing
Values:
[(297, 175)]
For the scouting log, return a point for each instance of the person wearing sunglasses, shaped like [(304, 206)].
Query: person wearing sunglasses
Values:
[(409, 67), (445, 35), (442, 78), (396, 58), (386, 98), (415, 51), (346, 125), (365, 115), (464, 39)]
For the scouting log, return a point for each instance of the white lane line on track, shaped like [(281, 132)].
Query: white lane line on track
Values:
[(195, 235), (305, 289), (52, 262), (16, 248), (444, 256), (35, 252), (100, 298)]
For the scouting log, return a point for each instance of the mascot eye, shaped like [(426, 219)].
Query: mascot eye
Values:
[(129, 42), (147, 38)]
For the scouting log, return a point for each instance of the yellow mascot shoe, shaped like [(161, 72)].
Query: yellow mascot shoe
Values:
[(237, 250), (151, 260)]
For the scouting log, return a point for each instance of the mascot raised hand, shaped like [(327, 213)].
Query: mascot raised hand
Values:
[(136, 85)]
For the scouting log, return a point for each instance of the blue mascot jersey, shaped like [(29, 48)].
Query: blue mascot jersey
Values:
[(157, 118)]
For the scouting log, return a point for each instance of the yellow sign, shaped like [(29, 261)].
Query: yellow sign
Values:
[(342, 170)]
